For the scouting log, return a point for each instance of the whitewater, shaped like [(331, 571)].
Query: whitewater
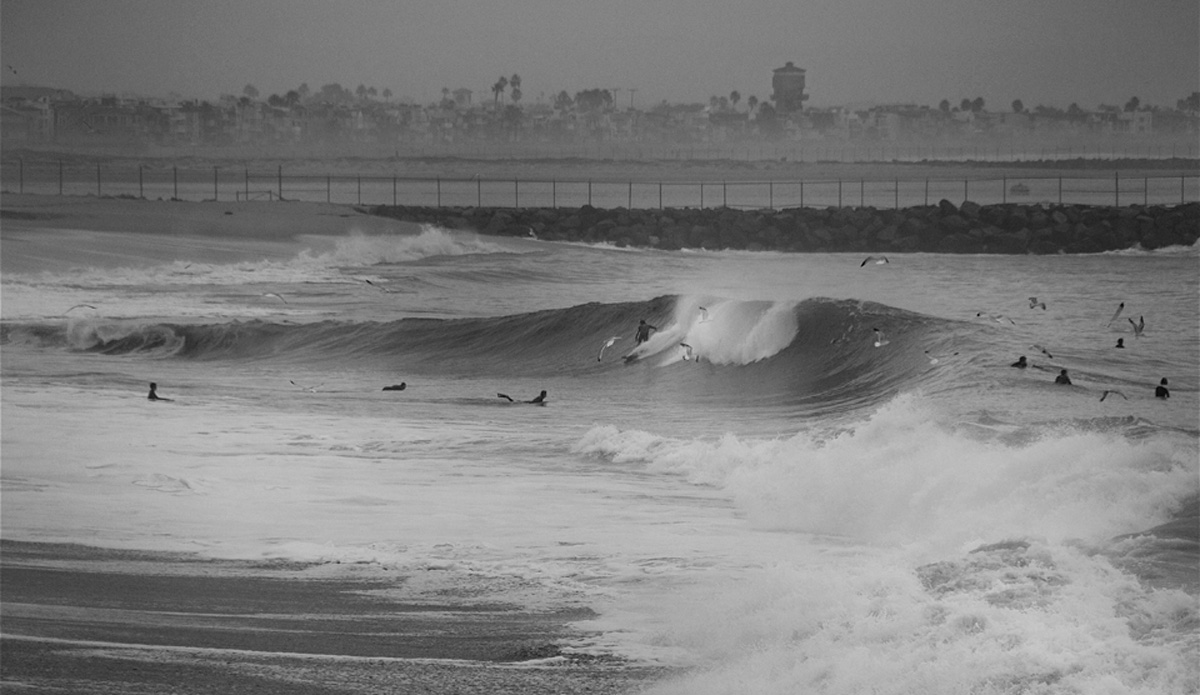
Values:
[(791, 508)]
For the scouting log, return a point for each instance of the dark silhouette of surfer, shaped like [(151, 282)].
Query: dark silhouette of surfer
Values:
[(539, 400), (396, 387), (1062, 378), (154, 394), (643, 331), (1020, 363), (1161, 390)]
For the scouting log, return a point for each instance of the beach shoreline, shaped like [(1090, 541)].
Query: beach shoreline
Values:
[(90, 619)]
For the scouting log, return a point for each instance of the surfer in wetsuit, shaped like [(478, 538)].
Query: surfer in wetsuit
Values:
[(1062, 378), (396, 387), (1020, 363), (539, 400), (154, 394), (1161, 391), (643, 331)]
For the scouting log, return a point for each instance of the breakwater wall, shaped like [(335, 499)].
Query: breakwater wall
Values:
[(941, 228)]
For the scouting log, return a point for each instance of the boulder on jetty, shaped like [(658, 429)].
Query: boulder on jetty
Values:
[(943, 228)]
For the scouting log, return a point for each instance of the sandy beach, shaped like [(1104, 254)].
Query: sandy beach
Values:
[(90, 620)]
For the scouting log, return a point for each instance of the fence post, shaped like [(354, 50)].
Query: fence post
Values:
[(216, 196), (966, 190)]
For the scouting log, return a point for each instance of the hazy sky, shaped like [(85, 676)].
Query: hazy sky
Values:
[(1050, 52)]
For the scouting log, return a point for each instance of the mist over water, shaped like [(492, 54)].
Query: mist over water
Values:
[(798, 509)]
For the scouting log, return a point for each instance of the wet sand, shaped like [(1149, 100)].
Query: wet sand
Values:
[(83, 619)]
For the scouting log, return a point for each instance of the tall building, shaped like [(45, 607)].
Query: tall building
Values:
[(788, 85)]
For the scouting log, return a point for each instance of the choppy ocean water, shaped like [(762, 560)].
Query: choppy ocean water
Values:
[(797, 510)]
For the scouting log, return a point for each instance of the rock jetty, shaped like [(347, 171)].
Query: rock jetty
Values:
[(941, 228)]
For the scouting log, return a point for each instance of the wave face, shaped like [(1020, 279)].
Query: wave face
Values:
[(817, 353)]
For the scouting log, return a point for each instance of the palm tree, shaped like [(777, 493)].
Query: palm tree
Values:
[(735, 97), (1018, 106), (515, 81), (498, 88), (752, 102)]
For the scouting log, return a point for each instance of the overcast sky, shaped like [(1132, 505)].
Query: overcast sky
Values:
[(1051, 52)]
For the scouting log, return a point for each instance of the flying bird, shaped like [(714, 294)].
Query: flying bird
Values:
[(310, 389), (1116, 314), (877, 260), (607, 344), (998, 318), (1043, 350), (1034, 303), (1114, 392), (1138, 327)]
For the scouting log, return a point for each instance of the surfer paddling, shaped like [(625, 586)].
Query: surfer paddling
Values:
[(155, 397), (540, 399), (1161, 390)]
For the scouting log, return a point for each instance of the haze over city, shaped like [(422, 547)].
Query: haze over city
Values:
[(855, 51)]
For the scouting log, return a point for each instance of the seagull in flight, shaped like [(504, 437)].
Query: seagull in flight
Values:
[(607, 344), (78, 306), (1116, 314), (1034, 303), (310, 389), (381, 288), (1114, 392), (877, 260), (1138, 327), (998, 318)]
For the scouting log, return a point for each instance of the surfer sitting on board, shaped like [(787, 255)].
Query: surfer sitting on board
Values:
[(643, 331), (539, 400)]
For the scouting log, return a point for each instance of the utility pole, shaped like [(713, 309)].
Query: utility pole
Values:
[(631, 90)]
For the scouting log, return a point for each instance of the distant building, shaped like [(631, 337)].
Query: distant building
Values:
[(788, 85)]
